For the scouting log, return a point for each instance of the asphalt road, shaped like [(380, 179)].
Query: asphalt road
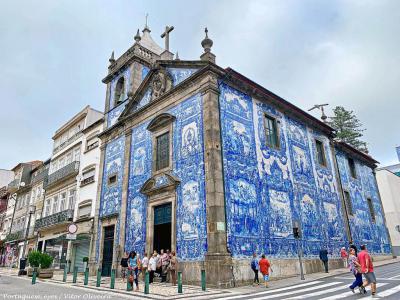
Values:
[(333, 288)]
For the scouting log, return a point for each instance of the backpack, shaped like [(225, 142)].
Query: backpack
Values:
[(253, 264)]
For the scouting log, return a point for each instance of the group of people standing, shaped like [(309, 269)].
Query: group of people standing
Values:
[(162, 265)]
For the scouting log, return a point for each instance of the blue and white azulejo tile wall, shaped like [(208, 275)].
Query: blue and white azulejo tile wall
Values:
[(361, 188), (188, 167), (267, 189)]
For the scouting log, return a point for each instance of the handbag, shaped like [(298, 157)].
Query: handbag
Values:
[(131, 279)]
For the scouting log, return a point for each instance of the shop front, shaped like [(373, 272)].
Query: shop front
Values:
[(57, 248)]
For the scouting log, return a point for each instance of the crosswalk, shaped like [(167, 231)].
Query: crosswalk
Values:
[(320, 290)]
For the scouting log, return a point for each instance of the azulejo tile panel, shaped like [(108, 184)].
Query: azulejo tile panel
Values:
[(267, 189), (116, 110), (111, 193), (361, 188), (180, 74), (188, 167)]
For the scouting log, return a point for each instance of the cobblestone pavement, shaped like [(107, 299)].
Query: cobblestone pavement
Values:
[(167, 291)]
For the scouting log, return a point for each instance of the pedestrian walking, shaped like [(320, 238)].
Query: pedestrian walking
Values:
[(173, 266), (152, 266), (133, 265), (265, 267), (145, 265), (367, 268), (124, 266), (355, 268), (344, 256), (255, 267), (323, 255)]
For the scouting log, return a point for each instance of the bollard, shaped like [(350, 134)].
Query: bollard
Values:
[(65, 273), (98, 282), (86, 280), (75, 275), (34, 276), (112, 283), (180, 282), (129, 286), (203, 280), (146, 282)]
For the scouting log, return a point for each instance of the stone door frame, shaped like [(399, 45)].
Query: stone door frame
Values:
[(153, 202)]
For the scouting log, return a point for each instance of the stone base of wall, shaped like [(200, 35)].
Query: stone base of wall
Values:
[(283, 268)]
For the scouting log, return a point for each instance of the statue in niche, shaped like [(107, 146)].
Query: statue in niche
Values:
[(160, 84)]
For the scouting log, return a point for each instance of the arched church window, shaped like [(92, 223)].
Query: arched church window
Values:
[(119, 95)]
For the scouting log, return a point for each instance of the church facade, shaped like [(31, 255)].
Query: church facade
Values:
[(201, 160)]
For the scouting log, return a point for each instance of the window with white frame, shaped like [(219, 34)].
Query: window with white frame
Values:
[(85, 209), (69, 158), (55, 204), (63, 200), (77, 154), (88, 176), (71, 199), (92, 143), (47, 208)]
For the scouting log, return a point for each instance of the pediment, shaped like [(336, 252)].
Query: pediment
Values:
[(161, 120), (159, 81), (159, 183)]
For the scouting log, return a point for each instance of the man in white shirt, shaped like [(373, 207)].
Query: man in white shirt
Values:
[(152, 266)]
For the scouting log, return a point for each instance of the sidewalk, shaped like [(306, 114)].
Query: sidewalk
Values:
[(308, 277), (167, 291)]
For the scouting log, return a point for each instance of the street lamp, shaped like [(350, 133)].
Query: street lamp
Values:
[(22, 262)]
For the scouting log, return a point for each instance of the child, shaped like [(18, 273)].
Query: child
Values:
[(264, 266)]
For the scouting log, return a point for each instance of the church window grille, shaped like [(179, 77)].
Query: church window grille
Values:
[(271, 132), (119, 95), (320, 153), (371, 209), (112, 179), (352, 167), (162, 151), (348, 203)]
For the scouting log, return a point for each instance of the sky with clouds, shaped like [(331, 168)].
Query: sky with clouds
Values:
[(53, 55)]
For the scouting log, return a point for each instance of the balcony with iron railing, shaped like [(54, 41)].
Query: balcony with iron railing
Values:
[(15, 235), (67, 142), (39, 176), (62, 217), (62, 174)]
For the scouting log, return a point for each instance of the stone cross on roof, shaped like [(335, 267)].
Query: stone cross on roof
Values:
[(165, 34)]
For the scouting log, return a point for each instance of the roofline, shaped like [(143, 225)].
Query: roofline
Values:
[(297, 111), (359, 154), (101, 120), (75, 118)]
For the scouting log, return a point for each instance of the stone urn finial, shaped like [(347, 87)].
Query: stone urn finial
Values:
[(207, 42), (137, 37)]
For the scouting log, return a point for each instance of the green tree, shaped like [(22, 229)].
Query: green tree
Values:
[(348, 128)]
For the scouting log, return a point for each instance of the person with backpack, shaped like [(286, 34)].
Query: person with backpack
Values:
[(323, 255), (255, 267), (264, 266)]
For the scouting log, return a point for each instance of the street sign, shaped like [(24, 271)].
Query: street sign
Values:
[(72, 228), (70, 236)]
